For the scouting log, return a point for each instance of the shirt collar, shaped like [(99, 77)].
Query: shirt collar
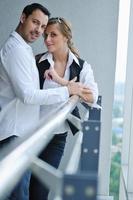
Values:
[(49, 57), (46, 56), (20, 39), (72, 57)]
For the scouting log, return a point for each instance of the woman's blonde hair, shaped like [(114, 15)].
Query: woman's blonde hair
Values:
[(65, 29)]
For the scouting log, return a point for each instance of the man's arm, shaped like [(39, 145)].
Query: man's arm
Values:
[(23, 75), (74, 87)]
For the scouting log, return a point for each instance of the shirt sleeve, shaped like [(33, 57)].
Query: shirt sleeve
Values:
[(23, 75), (87, 78)]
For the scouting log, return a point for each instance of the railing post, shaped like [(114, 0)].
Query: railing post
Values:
[(90, 146), (83, 184), (91, 139)]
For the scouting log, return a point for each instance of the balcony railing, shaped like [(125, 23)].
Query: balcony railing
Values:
[(82, 168)]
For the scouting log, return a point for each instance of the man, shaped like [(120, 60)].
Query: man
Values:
[(20, 96)]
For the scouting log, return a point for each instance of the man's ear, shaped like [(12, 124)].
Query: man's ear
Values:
[(22, 18)]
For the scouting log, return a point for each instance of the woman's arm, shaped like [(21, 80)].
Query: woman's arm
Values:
[(74, 88)]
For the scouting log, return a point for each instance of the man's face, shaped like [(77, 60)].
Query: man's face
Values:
[(33, 26)]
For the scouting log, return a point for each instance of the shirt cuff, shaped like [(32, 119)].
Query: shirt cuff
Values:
[(65, 93)]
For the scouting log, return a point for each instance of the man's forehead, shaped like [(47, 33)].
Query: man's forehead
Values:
[(39, 15)]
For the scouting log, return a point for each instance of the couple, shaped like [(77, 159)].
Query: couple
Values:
[(26, 95)]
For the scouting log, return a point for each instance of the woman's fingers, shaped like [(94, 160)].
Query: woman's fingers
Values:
[(48, 74), (74, 79)]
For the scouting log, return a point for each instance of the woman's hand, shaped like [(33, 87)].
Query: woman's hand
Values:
[(77, 88), (52, 74)]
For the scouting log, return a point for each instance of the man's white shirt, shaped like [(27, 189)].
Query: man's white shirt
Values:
[(20, 96)]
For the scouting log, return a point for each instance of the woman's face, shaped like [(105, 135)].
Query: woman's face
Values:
[(54, 39)]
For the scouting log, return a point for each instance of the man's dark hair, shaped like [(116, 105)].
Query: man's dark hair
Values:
[(34, 6)]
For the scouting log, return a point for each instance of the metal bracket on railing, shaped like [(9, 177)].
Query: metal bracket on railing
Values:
[(83, 111), (75, 121), (94, 110), (79, 186), (74, 158), (90, 146), (45, 173)]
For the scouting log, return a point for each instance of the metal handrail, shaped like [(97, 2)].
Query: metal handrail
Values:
[(15, 163)]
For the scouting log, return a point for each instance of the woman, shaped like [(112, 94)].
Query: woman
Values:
[(61, 65)]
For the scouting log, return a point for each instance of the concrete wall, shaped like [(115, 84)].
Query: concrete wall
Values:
[(95, 34)]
